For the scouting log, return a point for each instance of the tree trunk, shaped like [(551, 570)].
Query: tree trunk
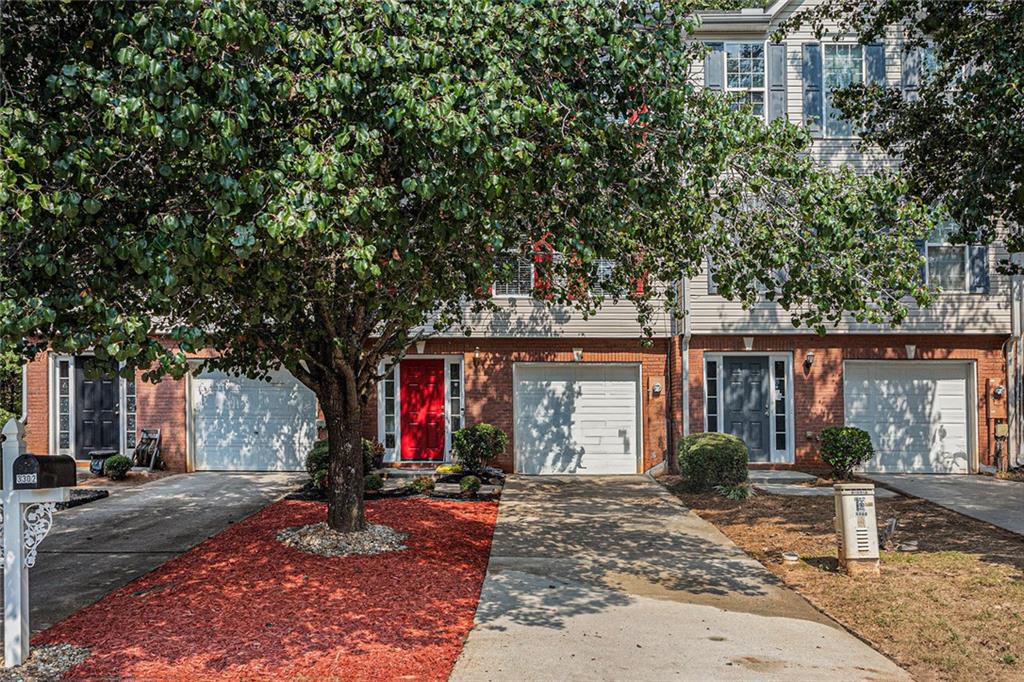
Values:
[(345, 471)]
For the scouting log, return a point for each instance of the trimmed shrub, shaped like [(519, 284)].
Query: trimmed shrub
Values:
[(845, 447), (422, 484), (476, 446), (449, 468), (372, 483), (707, 460), (470, 485), (116, 468)]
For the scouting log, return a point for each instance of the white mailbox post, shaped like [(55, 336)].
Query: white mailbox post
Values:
[(27, 516)]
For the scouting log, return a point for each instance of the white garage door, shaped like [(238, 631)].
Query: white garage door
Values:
[(577, 419), (917, 414), (242, 424)]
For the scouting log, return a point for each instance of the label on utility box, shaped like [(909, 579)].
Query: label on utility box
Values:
[(861, 508)]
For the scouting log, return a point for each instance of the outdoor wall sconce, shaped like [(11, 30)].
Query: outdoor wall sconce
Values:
[(476, 356), (420, 347), (911, 351), (577, 354), (809, 359), (748, 343)]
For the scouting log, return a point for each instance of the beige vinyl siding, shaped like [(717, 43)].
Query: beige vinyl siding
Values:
[(954, 312), (528, 318)]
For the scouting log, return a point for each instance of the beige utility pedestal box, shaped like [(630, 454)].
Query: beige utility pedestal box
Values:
[(857, 528)]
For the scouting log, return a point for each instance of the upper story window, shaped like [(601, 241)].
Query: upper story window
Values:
[(522, 281), (947, 265), (745, 75), (844, 66)]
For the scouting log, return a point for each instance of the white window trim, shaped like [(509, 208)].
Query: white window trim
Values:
[(786, 456), (533, 281), (824, 91), (53, 400), (394, 455), (967, 266), (764, 88)]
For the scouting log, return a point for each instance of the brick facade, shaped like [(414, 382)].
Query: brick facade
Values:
[(488, 387), (818, 389)]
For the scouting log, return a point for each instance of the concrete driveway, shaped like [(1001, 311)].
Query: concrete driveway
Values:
[(988, 499), (101, 546), (613, 579)]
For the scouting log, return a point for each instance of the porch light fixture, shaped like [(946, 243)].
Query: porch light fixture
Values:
[(420, 347), (809, 359), (748, 343), (911, 351), (577, 354), (476, 356)]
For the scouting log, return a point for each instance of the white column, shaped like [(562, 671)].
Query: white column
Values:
[(16, 622)]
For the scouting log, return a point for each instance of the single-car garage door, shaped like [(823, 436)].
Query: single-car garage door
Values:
[(242, 424), (577, 419), (916, 412)]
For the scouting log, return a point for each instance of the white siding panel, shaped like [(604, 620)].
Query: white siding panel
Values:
[(957, 312)]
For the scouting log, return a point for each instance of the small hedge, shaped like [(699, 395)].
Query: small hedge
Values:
[(707, 460), (476, 446), (845, 447), (470, 485), (372, 483), (116, 468)]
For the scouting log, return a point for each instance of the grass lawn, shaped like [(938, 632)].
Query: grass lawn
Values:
[(244, 606), (953, 610)]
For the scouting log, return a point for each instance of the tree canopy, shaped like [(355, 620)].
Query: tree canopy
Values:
[(959, 128), (319, 184)]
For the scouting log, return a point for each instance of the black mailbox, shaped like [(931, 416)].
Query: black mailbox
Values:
[(32, 472)]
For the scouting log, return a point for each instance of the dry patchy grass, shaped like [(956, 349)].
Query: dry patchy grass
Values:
[(953, 610)]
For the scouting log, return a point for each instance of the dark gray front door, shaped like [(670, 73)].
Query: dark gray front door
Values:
[(746, 403), (97, 421)]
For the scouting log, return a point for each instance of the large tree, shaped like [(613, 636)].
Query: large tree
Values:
[(319, 185), (957, 121)]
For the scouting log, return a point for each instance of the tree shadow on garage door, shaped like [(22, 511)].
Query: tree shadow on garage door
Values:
[(565, 547), (543, 436)]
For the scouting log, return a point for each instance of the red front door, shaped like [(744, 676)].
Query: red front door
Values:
[(422, 400)]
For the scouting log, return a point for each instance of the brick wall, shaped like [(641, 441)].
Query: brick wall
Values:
[(488, 387), (818, 390), (162, 406), (37, 427)]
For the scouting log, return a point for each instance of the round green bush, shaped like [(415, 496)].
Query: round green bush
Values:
[(845, 447), (470, 485), (372, 483), (422, 484), (707, 460), (475, 446), (116, 468)]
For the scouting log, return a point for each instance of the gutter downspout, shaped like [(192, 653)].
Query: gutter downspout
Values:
[(685, 351), (24, 393), (1014, 352)]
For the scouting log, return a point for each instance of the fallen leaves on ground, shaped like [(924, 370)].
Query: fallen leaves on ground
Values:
[(242, 605)]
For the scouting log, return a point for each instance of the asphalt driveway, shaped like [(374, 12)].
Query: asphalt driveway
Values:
[(613, 579), (101, 546), (988, 499)]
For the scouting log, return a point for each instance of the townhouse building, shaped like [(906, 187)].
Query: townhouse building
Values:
[(590, 396)]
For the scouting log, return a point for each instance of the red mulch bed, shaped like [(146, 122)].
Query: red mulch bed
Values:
[(243, 606)]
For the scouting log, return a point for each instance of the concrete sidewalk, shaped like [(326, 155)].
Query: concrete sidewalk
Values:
[(101, 546), (988, 499), (612, 579)]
